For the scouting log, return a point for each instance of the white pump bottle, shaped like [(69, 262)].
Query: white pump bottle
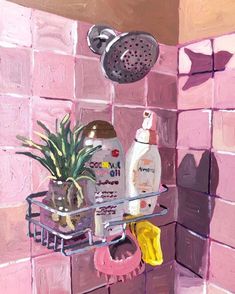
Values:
[(143, 167)]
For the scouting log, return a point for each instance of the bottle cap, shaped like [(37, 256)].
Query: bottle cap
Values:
[(99, 129)]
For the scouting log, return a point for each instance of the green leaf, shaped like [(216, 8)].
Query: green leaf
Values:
[(38, 158), (84, 155), (65, 119), (43, 127)]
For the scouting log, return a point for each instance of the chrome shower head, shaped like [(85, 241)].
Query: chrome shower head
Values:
[(125, 58)]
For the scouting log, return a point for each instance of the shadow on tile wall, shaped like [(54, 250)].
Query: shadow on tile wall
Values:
[(195, 210)]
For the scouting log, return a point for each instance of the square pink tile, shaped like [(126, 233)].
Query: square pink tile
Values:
[(47, 111), (84, 275), (224, 95), (167, 60), (53, 75), (192, 251), (194, 129), (168, 158), (53, 32), (166, 127), (126, 123), (133, 93), (222, 259), (16, 278), (11, 16), (15, 71), (51, 274), (222, 223), (162, 90), (15, 185), (223, 130), (186, 282), (90, 81), (224, 52), (134, 286), (195, 91), (195, 58), (195, 210), (86, 112), (82, 46), (15, 244), (222, 176), (161, 279), (193, 169), (14, 112)]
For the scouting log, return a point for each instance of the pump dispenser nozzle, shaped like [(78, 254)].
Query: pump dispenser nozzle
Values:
[(150, 120), (147, 134)]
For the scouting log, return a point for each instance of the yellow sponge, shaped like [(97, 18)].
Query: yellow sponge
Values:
[(148, 237)]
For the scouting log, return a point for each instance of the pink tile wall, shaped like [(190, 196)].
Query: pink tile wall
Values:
[(15, 70), (187, 282), (51, 274), (46, 71), (16, 277), (14, 184), (14, 112), (222, 272), (52, 33), (53, 75), (90, 81), (206, 154), (15, 24), (14, 244), (194, 129)]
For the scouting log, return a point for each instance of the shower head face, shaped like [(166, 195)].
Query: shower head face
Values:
[(129, 57)]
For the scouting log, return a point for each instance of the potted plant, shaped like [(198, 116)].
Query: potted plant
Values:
[(64, 156)]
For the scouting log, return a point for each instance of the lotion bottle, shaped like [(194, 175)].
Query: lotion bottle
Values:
[(143, 167)]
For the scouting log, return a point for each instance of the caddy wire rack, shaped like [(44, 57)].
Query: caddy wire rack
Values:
[(83, 240)]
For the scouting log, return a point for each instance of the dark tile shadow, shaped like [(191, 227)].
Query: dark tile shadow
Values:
[(195, 210)]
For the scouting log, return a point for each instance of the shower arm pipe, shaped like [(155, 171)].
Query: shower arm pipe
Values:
[(31, 199)]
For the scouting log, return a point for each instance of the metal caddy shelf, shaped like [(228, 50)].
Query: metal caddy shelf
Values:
[(80, 241)]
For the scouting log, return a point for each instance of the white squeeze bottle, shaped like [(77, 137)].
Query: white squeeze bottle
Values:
[(143, 166), (108, 166)]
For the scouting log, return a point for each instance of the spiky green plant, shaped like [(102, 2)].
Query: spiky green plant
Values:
[(63, 153)]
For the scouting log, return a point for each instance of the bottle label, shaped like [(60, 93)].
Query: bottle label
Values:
[(108, 169), (144, 175)]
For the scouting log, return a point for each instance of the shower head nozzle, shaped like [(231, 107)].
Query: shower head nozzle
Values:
[(125, 58)]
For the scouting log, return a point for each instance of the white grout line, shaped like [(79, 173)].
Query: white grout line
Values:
[(95, 101), (146, 91), (112, 92), (174, 74), (219, 289), (226, 110), (14, 262), (224, 152), (75, 37), (11, 205), (87, 57)]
